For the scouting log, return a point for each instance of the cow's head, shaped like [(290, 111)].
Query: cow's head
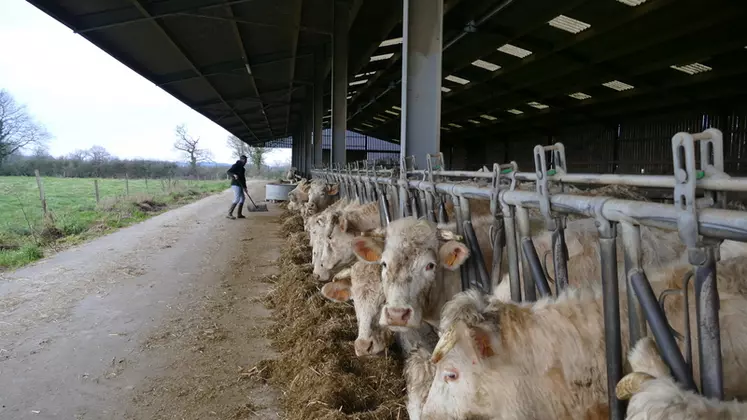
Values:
[(321, 195), (413, 251), (336, 251), (364, 289), (460, 371)]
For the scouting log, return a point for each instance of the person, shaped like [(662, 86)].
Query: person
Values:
[(238, 185)]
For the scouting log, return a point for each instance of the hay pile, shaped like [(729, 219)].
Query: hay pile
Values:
[(293, 223), (317, 370), (614, 191)]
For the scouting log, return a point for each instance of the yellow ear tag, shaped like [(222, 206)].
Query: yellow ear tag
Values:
[(371, 256), (342, 294), (451, 259)]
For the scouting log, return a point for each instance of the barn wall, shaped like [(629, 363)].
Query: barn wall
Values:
[(632, 146)]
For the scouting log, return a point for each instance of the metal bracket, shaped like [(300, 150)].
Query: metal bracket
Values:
[(410, 163), (434, 162), (686, 176), (542, 172), (606, 229)]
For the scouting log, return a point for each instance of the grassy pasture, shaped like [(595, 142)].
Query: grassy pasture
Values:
[(73, 215)]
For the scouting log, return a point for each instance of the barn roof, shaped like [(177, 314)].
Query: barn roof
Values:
[(508, 65)]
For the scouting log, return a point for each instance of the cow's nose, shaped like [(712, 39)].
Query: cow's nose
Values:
[(398, 316), (363, 347)]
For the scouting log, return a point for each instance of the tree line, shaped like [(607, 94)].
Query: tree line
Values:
[(98, 163), (23, 149)]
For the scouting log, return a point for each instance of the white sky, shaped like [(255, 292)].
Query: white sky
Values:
[(85, 97)]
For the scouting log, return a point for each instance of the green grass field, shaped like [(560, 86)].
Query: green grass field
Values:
[(74, 215)]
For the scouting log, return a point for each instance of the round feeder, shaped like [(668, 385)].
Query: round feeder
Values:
[(278, 192)]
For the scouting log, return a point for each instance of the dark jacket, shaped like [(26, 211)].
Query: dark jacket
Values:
[(238, 170)]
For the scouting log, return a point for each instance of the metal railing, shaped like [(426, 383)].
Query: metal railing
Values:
[(698, 214)]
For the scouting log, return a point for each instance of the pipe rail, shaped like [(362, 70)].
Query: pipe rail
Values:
[(701, 221)]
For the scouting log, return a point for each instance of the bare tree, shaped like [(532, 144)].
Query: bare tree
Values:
[(237, 146), (18, 130), (189, 146), (98, 154), (78, 155), (257, 157), (41, 151)]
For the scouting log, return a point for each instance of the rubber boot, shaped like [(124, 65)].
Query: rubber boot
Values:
[(239, 215), (230, 211)]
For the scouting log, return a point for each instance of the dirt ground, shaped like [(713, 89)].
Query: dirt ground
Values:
[(159, 320)]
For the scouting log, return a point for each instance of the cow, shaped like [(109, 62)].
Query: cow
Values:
[(732, 315), (569, 330), (658, 248), (654, 395), (409, 256), (361, 283), (465, 386), (321, 196), (419, 373), (299, 195), (339, 228)]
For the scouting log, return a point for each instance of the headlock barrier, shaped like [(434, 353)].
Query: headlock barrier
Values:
[(698, 213)]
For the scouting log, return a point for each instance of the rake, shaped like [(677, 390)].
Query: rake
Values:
[(260, 207)]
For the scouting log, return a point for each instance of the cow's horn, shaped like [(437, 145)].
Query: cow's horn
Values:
[(447, 235), (631, 384), (375, 233), (447, 342)]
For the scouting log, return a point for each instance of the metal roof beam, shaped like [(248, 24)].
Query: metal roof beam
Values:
[(473, 26), (664, 91), (184, 54), (236, 20), (693, 51), (228, 68), (126, 16), (247, 67), (679, 31), (292, 69), (624, 18), (247, 99)]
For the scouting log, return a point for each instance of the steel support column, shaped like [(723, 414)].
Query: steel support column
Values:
[(320, 65), (340, 81), (308, 126), (421, 83), (295, 151)]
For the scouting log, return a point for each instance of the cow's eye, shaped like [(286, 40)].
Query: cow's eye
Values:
[(430, 267), (383, 264), (451, 375)]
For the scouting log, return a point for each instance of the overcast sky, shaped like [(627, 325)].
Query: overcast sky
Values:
[(85, 97)]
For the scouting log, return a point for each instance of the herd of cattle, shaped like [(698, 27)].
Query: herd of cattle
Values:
[(472, 356)]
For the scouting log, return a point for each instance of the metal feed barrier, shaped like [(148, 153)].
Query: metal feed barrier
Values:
[(698, 214)]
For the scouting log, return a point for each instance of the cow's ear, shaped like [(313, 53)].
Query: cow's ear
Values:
[(367, 249), (348, 225), (334, 219), (452, 254), (481, 342), (332, 189), (337, 291), (574, 246), (344, 223)]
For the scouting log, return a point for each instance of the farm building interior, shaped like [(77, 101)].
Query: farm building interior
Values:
[(482, 81), (613, 80)]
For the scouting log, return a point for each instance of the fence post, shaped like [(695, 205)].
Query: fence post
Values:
[(96, 189), (127, 185), (146, 184), (42, 197)]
